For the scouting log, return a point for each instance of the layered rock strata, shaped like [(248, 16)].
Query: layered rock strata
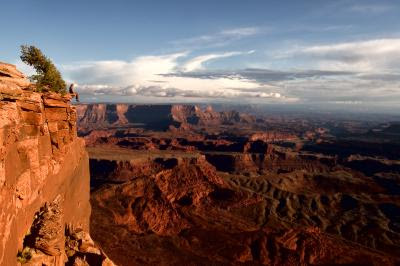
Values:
[(171, 209), (155, 117), (41, 160)]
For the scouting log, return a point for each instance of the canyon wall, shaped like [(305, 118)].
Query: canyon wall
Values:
[(154, 117), (42, 164)]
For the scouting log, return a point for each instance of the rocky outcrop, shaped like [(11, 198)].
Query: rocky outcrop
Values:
[(236, 195), (181, 211), (11, 79), (43, 164), (272, 136), (50, 242), (155, 117)]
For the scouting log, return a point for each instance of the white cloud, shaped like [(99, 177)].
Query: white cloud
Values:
[(122, 73), (361, 56), (148, 76), (343, 89), (157, 91), (362, 72), (197, 63), (218, 39), (245, 31)]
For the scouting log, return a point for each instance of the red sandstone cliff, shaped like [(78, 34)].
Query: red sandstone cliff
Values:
[(44, 176)]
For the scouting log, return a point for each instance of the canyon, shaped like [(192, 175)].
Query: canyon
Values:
[(187, 185), (181, 184)]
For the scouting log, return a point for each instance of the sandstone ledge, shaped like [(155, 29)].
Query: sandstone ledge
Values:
[(41, 159)]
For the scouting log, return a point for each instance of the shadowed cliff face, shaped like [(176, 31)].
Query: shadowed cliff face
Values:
[(44, 174), (153, 117)]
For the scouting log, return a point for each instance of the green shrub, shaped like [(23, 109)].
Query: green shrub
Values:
[(24, 256), (47, 76)]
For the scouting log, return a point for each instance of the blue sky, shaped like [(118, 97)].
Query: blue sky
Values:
[(312, 52)]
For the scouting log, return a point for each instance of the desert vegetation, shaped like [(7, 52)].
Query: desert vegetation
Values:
[(47, 76)]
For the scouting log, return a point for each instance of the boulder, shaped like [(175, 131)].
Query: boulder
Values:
[(21, 82), (9, 89), (29, 106), (49, 102), (10, 71), (56, 96)]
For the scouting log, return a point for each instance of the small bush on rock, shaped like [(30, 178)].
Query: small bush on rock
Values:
[(24, 256)]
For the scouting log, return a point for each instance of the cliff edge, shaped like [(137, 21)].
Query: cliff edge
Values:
[(44, 178)]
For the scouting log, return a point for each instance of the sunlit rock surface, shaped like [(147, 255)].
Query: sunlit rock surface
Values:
[(43, 172)]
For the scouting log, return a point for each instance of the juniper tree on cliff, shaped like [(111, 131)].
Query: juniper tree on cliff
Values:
[(47, 76)]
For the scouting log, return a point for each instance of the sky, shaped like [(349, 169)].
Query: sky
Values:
[(344, 53)]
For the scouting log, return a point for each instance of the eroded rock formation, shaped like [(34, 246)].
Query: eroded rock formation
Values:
[(43, 164), (177, 209), (286, 192), (156, 117)]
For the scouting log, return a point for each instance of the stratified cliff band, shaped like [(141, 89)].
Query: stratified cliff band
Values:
[(44, 178)]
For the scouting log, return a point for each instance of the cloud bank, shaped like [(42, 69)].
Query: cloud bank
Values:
[(362, 56), (358, 72), (153, 76), (197, 63)]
